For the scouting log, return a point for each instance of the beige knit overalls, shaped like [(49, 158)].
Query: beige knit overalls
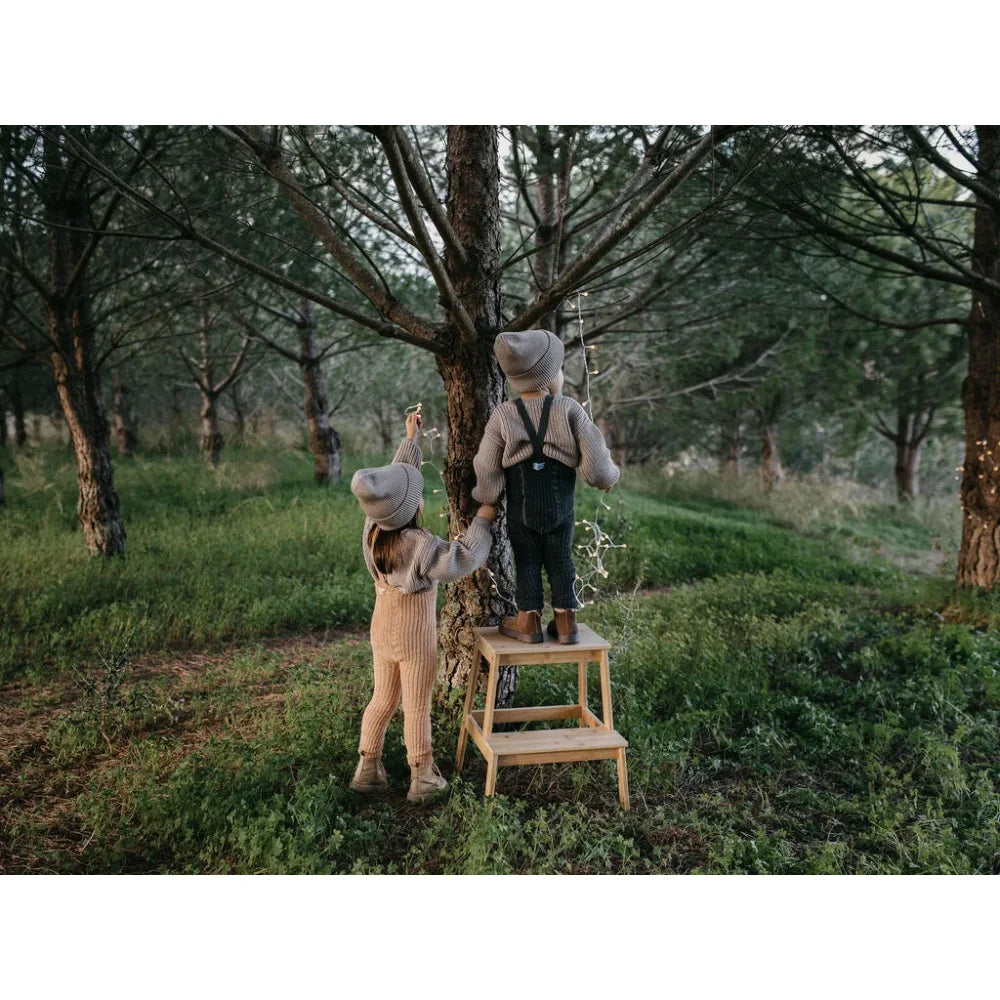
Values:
[(404, 644)]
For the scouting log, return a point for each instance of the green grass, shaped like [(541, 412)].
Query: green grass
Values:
[(253, 549), (794, 701)]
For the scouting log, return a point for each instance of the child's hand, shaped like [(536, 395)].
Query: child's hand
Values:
[(413, 423), (488, 511)]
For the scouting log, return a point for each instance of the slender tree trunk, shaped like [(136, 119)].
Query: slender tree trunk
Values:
[(3, 418), (71, 331), (909, 444), (240, 424), (124, 418), (907, 468), (17, 408), (474, 386), (211, 436), (77, 384), (770, 461), (324, 441), (731, 459), (979, 555)]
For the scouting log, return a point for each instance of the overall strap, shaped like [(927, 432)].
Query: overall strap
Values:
[(537, 438)]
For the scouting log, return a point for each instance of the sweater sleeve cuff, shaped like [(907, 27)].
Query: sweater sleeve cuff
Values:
[(408, 453)]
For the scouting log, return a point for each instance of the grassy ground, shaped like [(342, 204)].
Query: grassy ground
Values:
[(801, 694)]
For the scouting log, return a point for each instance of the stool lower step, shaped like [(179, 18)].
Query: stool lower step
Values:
[(537, 747)]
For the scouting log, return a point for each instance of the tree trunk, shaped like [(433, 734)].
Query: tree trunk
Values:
[(3, 418), (17, 408), (71, 330), (124, 418), (240, 424), (979, 555), (211, 436), (77, 384), (909, 442), (907, 467), (324, 441), (770, 461), (731, 459), (474, 386)]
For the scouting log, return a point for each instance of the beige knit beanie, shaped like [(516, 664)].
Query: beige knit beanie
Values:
[(530, 359), (389, 494)]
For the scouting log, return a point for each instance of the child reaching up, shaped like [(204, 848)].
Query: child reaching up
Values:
[(406, 562), (532, 447)]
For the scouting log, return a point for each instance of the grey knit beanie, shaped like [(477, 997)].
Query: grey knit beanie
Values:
[(389, 494), (530, 359)]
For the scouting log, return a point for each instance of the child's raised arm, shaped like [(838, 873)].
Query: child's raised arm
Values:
[(408, 451)]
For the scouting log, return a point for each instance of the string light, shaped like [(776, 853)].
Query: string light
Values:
[(598, 543)]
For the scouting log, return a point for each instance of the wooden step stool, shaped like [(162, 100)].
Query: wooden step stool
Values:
[(596, 739)]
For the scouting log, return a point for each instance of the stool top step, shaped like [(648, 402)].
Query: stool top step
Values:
[(506, 650)]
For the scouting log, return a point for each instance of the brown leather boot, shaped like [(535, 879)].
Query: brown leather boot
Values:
[(525, 627), (563, 628)]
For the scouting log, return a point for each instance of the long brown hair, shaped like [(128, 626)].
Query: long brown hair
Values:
[(384, 544)]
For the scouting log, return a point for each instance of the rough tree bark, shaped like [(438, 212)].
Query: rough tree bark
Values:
[(474, 386), (324, 441), (71, 332), (979, 555), (124, 417)]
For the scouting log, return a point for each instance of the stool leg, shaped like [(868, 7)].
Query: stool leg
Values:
[(491, 775), (581, 687), (623, 781), (606, 690), (491, 700), (470, 697)]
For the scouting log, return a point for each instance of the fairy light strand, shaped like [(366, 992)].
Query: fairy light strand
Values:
[(598, 543)]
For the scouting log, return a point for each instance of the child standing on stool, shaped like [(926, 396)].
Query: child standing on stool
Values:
[(531, 448), (407, 562)]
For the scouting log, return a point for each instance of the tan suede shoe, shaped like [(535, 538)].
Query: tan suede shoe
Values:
[(526, 626), (425, 782), (563, 628), (369, 776)]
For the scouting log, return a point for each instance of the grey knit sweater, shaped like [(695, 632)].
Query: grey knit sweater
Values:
[(423, 559), (571, 438)]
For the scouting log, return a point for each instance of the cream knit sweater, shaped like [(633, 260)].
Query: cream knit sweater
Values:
[(424, 559), (571, 438)]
